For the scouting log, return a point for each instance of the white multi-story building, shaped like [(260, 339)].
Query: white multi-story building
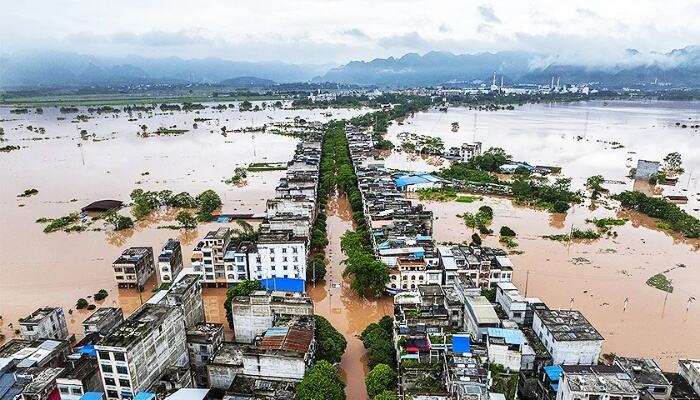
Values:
[(169, 261), (134, 266), (568, 336), (505, 347), (279, 254), (518, 308), (44, 323), (80, 375), (208, 257), (252, 315), (141, 349), (186, 293), (103, 320)]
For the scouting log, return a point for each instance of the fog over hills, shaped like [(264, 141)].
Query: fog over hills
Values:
[(679, 67)]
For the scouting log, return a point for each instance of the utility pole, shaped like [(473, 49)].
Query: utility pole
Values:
[(527, 280)]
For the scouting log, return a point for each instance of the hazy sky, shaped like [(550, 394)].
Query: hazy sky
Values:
[(335, 31)]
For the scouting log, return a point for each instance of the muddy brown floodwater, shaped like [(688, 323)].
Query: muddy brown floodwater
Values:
[(57, 269), (599, 275), (346, 311)]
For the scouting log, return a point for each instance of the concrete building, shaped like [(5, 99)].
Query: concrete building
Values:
[(202, 342), (224, 365), (134, 267), (690, 371), (103, 320), (516, 307), (81, 375), (646, 376), (42, 382), (169, 261), (134, 355), (479, 317), (279, 254), (19, 354), (595, 382), (505, 347), (186, 293), (208, 257), (255, 314), (44, 323), (568, 337), (646, 169)]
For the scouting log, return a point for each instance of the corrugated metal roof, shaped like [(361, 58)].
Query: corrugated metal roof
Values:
[(296, 338), (512, 336)]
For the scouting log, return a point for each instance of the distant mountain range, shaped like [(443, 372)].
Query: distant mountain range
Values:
[(677, 68)]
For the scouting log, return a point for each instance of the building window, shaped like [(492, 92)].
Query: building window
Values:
[(109, 382), (122, 370), (77, 391), (104, 355), (284, 259), (119, 357), (284, 250), (107, 368), (64, 390), (295, 250), (124, 382), (112, 394)]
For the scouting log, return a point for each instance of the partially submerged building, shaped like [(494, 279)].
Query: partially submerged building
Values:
[(103, 320), (134, 267), (568, 336), (44, 323), (169, 261), (252, 315)]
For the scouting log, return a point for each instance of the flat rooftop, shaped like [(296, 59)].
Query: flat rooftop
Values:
[(642, 370), (102, 313), (184, 283), (217, 234), (568, 325), (79, 369), (133, 255), (38, 315), (205, 331), (137, 326), (611, 380), (229, 353)]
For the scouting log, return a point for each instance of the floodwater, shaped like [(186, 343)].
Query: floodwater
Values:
[(579, 137), (346, 311), (56, 269), (596, 277)]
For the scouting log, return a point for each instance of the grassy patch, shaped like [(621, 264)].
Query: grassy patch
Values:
[(261, 167), (558, 238), (508, 242), (661, 282), (442, 195), (587, 234), (468, 199)]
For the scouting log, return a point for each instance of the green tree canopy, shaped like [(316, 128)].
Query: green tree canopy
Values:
[(330, 343), (244, 288), (321, 382), (381, 378)]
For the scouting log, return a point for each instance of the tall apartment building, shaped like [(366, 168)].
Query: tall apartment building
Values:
[(202, 341), (141, 349), (44, 323), (279, 254), (208, 257), (134, 266), (186, 293), (169, 261), (252, 315)]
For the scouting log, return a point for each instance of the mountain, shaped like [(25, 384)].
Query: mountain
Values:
[(430, 69), (243, 82), (71, 69), (679, 67)]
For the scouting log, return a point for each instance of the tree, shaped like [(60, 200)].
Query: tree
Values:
[(595, 185), (182, 200), (377, 338), (118, 222), (244, 288), (476, 239), (186, 219), (245, 106), (386, 395), (672, 164), (101, 295), (317, 268), (506, 231), (207, 201), (380, 379), (81, 303), (330, 343), (321, 382)]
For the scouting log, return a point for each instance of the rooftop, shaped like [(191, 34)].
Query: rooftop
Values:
[(79, 368), (138, 325), (294, 336), (183, 283), (228, 353), (643, 371), (41, 377), (133, 255), (568, 325), (217, 234), (101, 313), (38, 315), (599, 379), (205, 331)]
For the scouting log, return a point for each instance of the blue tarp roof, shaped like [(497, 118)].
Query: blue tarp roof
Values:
[(512, 336), (553, 372), (88, 349), (424, 237), (414, 179), (92, 396), (461, 344), (144, 396), (283, 284)]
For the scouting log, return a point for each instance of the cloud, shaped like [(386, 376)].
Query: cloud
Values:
[(155, 38), (409, 40), (356, 33), (488, 14), (586, 13), (443, 28)]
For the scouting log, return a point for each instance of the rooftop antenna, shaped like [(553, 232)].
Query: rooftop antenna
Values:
[(494, 79), (501, 89), (571, 304), (558, 77), (624, 307), (552, 85)]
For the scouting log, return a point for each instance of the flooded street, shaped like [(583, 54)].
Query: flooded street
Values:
[(57, 269), (346, 311)]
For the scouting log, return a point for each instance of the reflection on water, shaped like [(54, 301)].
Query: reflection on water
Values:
[(599, 275), (347, 312)]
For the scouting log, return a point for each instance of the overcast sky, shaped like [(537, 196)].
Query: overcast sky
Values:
[(335, 31)]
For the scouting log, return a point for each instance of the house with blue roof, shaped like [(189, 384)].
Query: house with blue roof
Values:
[(505, 347), (410, 182)]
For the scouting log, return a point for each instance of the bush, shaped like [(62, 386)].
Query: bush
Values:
[(476, 239), (81, 303), (506, 231), (101, 295)]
